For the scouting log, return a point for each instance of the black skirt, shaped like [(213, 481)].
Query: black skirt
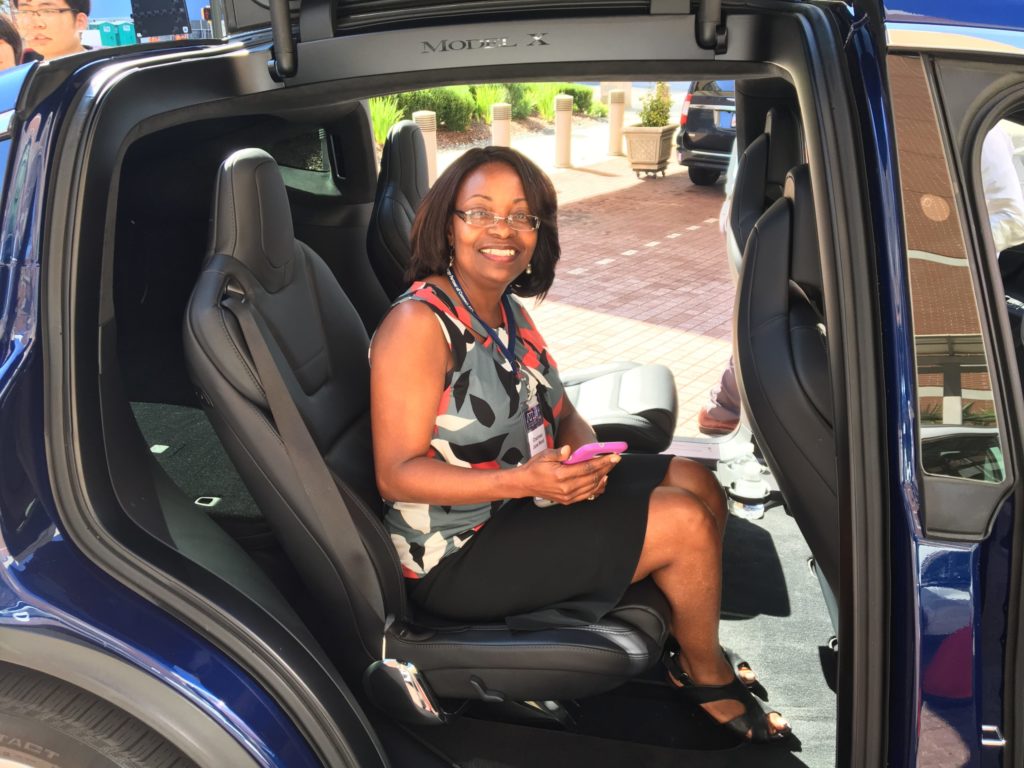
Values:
[(536, 567)]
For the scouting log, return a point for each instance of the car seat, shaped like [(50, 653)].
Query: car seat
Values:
[(782, 359), (262, 295), (621, 401), (760, 176)]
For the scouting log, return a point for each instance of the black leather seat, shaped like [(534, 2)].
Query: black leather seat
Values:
[(320, 346), (622, 401), (761, 172), (782, 358), (401, 186), (760, 175)]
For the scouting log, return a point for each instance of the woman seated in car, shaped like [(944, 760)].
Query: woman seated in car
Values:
[(471, 427)]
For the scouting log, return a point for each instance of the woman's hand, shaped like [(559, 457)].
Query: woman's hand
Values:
[(545, 476)]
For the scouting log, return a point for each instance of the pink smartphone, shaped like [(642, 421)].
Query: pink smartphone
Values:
[(593, 450)]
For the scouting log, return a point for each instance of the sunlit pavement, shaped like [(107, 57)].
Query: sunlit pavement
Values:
[(643, 274)]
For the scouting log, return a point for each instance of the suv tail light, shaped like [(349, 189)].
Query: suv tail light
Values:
[(685, 110)]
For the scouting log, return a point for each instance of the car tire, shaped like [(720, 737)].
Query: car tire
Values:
[(703, 177), (46, 723)]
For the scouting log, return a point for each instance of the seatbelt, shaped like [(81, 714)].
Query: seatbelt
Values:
[(314, 475)]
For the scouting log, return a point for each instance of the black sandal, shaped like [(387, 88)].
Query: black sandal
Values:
[(737, 663), (740, 666), (753, 721)]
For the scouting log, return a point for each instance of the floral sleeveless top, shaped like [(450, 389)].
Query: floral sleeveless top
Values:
[(480, 423)]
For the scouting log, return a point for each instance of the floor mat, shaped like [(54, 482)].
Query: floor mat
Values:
[(186, 447), (476, 744)]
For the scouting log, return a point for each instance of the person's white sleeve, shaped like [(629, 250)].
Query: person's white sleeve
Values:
[(1004, 195), (730, 185)]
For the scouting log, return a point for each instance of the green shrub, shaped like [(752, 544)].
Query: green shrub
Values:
[(654, 107), (582, 97), (542, 98), (454, 106), (486, 96), (519, 98), (384, 113), (598, 109)]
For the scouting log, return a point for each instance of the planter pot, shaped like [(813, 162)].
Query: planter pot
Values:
[(648, 149)]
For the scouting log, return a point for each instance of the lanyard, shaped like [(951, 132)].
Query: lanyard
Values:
[(510, 351)]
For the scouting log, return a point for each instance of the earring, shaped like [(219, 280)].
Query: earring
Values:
[(451, 254), (529, 268)]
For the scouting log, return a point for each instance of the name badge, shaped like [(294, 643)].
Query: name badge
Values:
[(535, 428)]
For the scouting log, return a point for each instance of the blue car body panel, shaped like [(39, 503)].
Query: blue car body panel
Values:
[(45, 582), (887, 221)]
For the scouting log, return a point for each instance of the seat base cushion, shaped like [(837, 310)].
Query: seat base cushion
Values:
[(460, 661)]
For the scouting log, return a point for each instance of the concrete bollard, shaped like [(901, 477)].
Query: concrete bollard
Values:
[(952, 409), (616, 111), (625, 87), (501, 125), (427, 121), (563, 131)]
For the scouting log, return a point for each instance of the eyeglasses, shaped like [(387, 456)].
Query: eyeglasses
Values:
[(522, 222), (46, 14)]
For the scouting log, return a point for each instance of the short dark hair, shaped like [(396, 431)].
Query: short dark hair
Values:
[(78, 6), (429, 238), (10, 35)]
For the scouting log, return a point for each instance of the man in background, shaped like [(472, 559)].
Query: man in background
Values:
[(10, 43), (52, 28), (720, 415), (1001, 173)]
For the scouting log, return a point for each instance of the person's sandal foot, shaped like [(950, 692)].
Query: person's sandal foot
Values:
[(754, 724)]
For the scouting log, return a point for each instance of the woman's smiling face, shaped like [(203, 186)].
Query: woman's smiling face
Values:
[(496, 254)]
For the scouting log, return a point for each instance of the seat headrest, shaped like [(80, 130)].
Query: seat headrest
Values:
[(784, 148), (403, 162), (805, 260), (252, 220)]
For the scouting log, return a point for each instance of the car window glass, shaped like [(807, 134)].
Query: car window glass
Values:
[(956, 405), (305, 160), (306, 151), (719, 87)]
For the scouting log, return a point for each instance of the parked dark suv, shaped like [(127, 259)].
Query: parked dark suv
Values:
[(707, 129)]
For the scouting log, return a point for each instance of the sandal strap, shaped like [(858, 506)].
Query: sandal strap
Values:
[(757, 724), (736, 660), (706, 694), (754, 720)]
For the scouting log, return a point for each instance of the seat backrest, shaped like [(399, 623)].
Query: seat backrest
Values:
[(782, 362), (401, 185), (762, 170), (320, 346)]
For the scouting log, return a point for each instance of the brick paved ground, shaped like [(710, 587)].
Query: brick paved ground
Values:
[(643, 277), (643, 274)]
